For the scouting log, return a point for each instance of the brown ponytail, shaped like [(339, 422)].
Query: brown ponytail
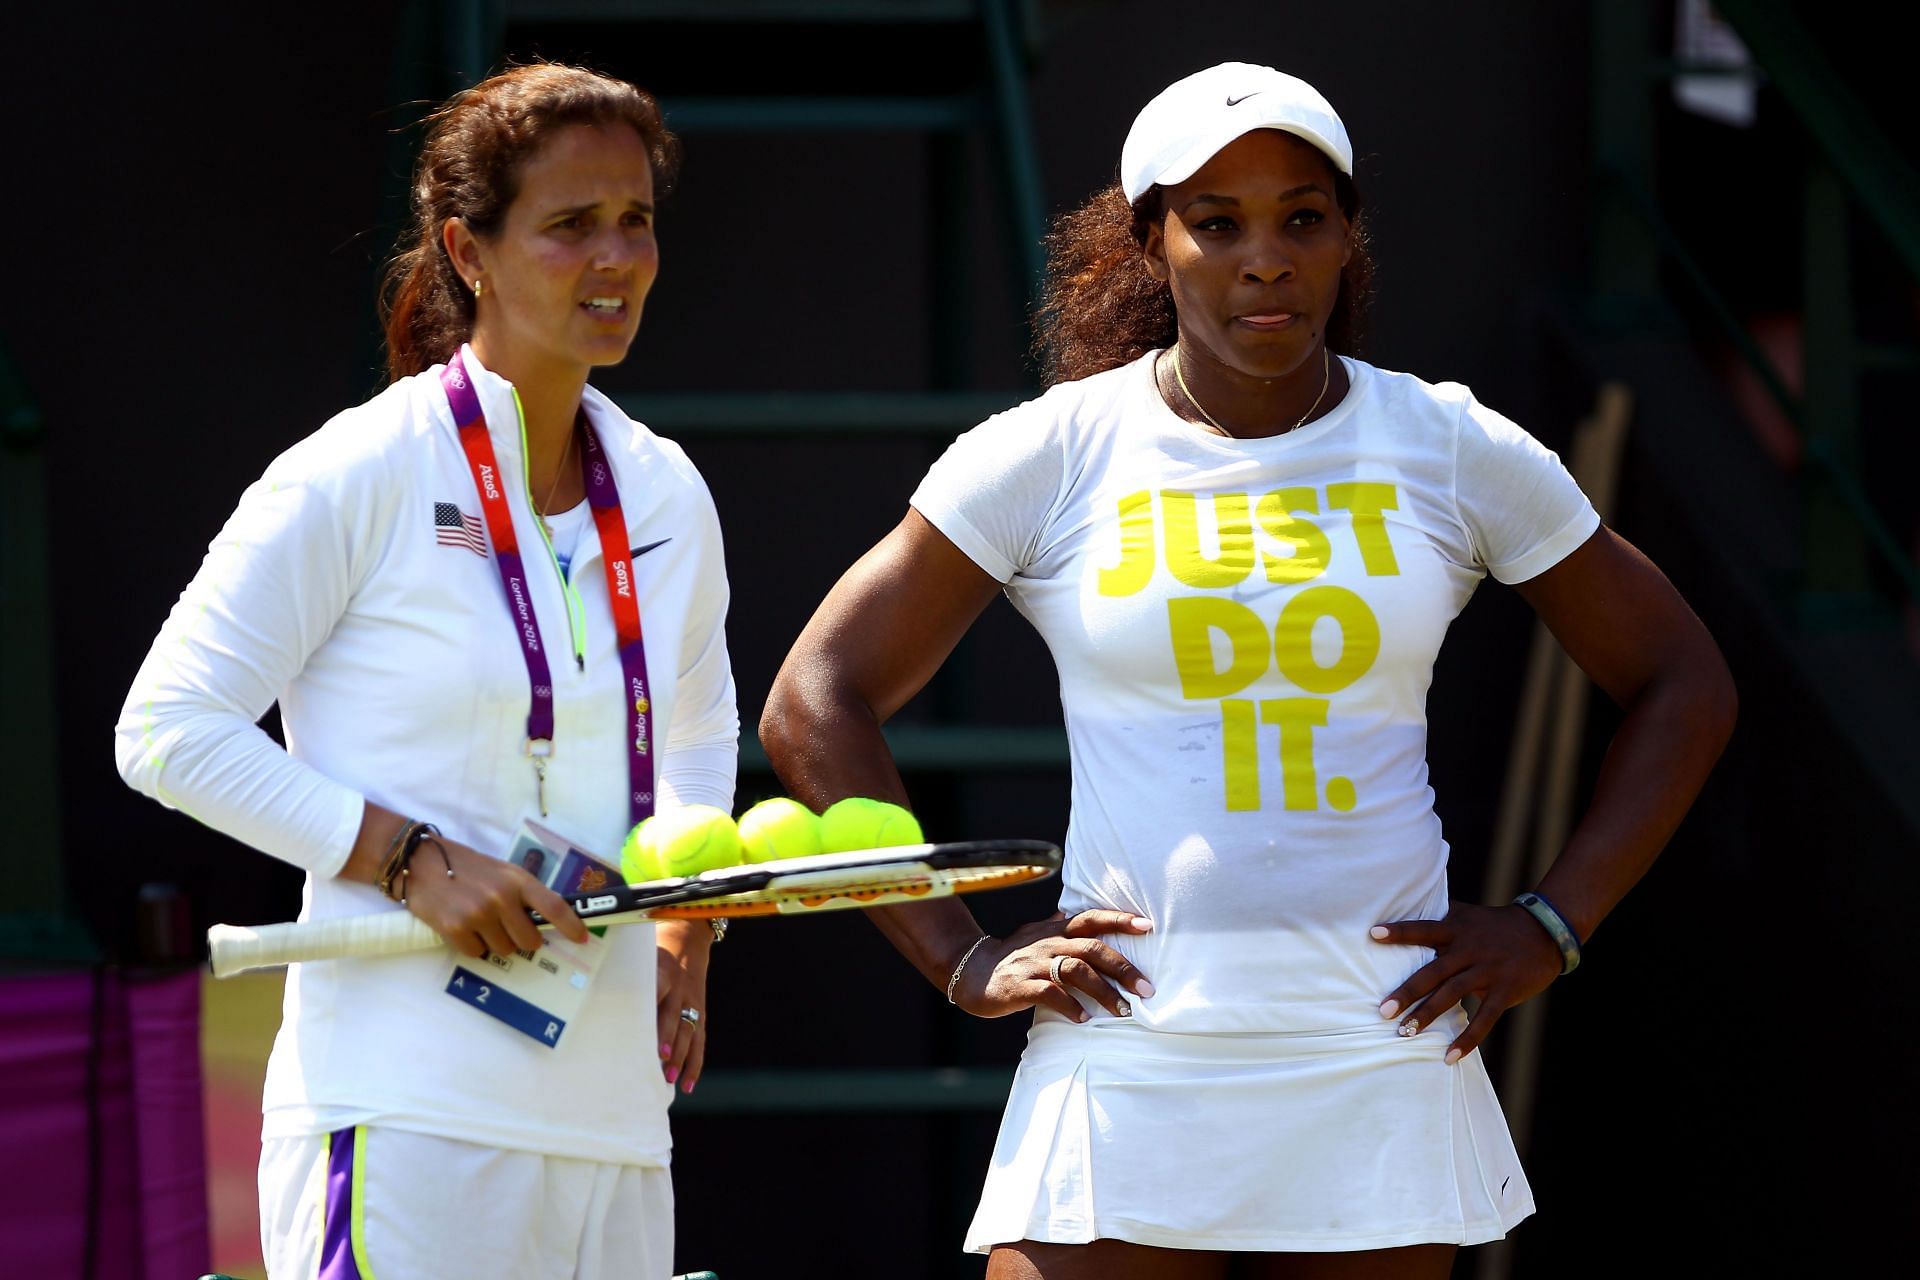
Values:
[(1100, 308), (469, 168)]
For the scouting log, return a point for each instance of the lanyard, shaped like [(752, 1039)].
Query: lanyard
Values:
[(604, 500)]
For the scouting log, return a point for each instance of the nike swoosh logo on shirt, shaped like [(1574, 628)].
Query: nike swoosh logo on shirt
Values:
[(1234, 102), (637, 552)]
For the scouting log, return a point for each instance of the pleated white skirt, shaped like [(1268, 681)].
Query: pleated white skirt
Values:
[(1352, 1140)]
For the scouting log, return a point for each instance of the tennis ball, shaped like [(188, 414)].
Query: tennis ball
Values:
[(680, 842), (859, 823), (779, 828)]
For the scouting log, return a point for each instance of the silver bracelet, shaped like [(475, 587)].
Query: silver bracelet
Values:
[(955, 979)]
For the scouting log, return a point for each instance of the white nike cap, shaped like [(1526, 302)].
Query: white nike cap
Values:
[(1188, 122)]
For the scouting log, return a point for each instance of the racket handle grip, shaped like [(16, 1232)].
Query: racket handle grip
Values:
[(235, 949)]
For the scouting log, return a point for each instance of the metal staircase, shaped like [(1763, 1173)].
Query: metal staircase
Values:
[(949, 71)]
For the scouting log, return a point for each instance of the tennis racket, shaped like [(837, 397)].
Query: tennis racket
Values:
[(791, 886)]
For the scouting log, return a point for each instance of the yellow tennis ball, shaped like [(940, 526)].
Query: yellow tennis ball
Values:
[(779, 828), (637, 864), (859, 823), (680, 842)]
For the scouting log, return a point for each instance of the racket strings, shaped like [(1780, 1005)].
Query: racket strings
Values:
[(772, 900)]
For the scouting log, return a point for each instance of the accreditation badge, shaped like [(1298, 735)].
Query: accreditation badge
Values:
[(539, 993)]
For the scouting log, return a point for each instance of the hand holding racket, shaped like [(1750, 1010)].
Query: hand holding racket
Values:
[(793, 886), (477, 904), (1048, 961)]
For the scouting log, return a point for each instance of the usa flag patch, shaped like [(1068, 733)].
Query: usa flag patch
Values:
[(453, 527)]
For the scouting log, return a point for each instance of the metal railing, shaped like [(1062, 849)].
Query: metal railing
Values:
[(27, 726), (35, 927), (1854, 167)]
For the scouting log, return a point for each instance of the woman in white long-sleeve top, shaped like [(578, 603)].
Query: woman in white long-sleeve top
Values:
[(485, 596)]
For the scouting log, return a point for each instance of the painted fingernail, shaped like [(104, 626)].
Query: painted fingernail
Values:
[(1411, 1027), (1389, 1008), (1140, 924), (1378, 931), (1453, 1056), (687, 1088), (1143, 988), (666, 1051), (673, 1073)]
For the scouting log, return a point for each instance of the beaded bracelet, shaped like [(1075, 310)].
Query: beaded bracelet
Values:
[(394, 859), (399, 859), (1556, 926), (423, 832)]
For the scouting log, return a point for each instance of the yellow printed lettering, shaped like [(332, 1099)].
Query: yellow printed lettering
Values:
[(1293, 639), (1135, 569), (1297, 718), (1180, 519), (1191, 621), (1366, 500), (1240, 753), (1310, 548)]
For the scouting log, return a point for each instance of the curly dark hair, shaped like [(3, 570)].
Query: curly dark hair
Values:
[(1099, 307), (469, 168)]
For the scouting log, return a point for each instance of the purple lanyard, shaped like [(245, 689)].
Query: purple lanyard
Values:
[(604, 500)]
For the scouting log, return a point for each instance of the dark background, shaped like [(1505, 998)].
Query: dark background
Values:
[(199, 201)]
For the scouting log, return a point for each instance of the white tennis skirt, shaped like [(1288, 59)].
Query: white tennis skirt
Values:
[(1358, 1139)]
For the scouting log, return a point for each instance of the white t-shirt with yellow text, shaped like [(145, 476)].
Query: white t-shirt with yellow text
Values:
[(1245, 630)]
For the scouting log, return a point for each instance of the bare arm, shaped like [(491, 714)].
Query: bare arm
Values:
[(875, 641), (1621, 620)]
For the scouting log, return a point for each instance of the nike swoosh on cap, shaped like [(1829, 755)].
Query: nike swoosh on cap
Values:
[(637, 552), (1234, 102)]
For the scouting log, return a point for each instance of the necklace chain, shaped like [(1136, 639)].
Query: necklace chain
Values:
[(547, 504), (1326, 375)]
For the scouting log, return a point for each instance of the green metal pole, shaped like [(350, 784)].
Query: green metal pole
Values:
[(1026, 205), (33, 883), (1625, 287), (470, 38), (1835, 586), (949, 204)]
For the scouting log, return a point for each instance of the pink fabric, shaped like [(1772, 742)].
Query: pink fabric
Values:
[(163, 1019), (152, 1216)]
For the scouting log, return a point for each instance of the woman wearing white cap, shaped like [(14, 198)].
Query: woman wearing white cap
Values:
[(1243, 547)]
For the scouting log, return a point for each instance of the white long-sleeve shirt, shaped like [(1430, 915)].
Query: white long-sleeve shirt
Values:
[(345, 589)]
